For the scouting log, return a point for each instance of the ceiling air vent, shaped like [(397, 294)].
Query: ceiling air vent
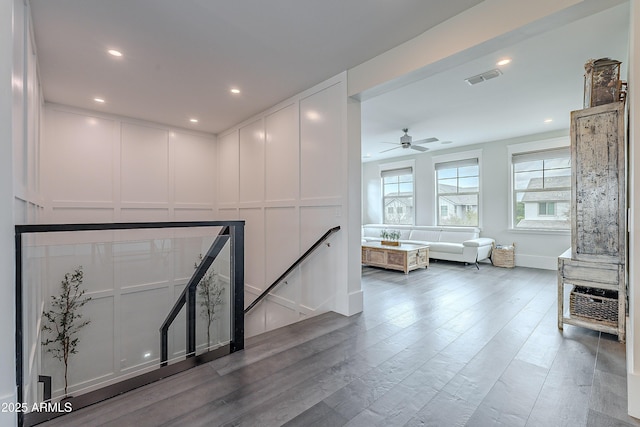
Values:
[(487, 75)]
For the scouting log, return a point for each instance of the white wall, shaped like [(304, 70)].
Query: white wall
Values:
[(101, 168), (285, 173), (7, 259), (20, 107), (104, 168), (533, 249)]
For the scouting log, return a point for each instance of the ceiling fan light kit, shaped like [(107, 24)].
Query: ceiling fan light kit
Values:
[(406, 141)]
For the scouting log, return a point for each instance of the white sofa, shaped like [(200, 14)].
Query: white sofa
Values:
[(462, 244)]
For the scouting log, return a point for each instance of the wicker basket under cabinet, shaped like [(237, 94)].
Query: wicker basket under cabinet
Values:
[(504, 256), (594, 303)]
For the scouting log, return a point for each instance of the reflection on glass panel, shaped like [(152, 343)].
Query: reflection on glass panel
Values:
[(213, 302), (543, 209), (130, 286), (469, 185), (399, 210), (534, 165), (390, 189), (458, 210), (447, 173), (405, 178), (528, 180), (406, 188), (447, 186), (468, 171), (564, 162)]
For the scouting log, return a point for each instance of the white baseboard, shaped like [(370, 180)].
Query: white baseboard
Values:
[(356, 303), (536, 261), (633, 395)]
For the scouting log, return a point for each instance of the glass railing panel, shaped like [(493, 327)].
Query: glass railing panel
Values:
[(127, 283)]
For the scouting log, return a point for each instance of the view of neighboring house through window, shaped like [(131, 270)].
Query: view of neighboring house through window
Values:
[(397, 196), (542, 189), (458, 191)]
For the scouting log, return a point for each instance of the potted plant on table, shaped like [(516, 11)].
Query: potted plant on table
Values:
[(390, 237)]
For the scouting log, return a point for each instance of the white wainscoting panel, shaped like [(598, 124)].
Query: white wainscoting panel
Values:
[(278, 315), (252, 162), (282, 237), (314, 222), (144, 164), (141, 314), (254, 247), (282, 170), (96, 342), (78, 157), (72, 215), (194, 168), (144, 214), (193, 214), (228, 176), (321, 144)]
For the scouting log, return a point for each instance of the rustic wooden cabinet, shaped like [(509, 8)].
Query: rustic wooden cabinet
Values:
[(406, 257), (597, 260)]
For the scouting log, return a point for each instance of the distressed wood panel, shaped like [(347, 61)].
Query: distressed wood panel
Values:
[(598, 168)]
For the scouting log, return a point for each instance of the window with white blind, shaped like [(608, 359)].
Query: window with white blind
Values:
[(397, 195), (542, 189), (458, 192)]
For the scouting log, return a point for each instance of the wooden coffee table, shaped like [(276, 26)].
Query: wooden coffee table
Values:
[(406, 257)]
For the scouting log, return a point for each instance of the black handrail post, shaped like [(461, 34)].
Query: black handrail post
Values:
[(191, 321), (46, 391), (19, 345), (237, 282), (164, 345)]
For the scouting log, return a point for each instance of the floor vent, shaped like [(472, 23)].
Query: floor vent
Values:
[(487, 75)]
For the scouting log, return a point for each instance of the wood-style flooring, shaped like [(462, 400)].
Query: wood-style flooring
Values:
[(447, 346)]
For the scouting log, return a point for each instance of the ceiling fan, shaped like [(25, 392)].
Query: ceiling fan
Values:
[(406, 142)]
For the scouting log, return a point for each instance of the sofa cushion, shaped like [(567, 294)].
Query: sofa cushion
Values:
[(425, 235), (371, 232), (449, 248), (456, 236)]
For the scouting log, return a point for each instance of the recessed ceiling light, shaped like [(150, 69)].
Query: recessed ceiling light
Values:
[(446, 142), (99, 100), (548, 120), (193, 120), (114, 52), (504, 61), (235, 91)]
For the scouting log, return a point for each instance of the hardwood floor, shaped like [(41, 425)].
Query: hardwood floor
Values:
[(447, 346)]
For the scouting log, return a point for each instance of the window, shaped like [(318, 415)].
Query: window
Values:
[(397, 195), (458, 192), (542, 189), (546, 208)]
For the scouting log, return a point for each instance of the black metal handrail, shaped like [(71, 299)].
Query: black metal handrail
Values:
[(290, 269), (188, 298)]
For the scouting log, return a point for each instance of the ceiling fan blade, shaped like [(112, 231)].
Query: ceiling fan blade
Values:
[(384, 151), (415, 147), (385, 142), (424, 141)]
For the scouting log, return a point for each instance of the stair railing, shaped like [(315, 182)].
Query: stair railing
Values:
[(188, 298), (293, 266)]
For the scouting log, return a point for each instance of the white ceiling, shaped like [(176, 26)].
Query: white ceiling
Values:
[(182, 57), (543, 81)]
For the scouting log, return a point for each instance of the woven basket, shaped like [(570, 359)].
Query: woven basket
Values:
[(504, 256), (593, 303)]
